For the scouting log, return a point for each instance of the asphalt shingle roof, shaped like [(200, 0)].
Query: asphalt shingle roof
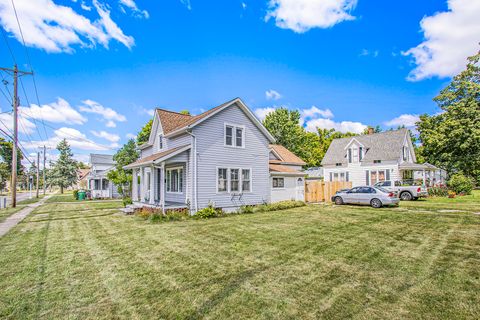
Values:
[(380, 146)]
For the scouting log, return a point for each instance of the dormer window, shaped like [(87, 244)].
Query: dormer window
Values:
[(405, 153), (160, 141), (234, 136)]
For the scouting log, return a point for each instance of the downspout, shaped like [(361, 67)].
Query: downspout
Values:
[(195, 167)]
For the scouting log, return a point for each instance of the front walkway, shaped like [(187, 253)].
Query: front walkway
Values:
[(15, 218)]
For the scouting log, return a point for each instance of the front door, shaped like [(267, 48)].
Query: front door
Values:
[(300, 190)]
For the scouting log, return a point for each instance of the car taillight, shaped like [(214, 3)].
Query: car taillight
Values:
[(391, 194), (419, 189)]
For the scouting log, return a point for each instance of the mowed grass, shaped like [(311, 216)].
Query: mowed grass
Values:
[(83, 260), (5, 213)]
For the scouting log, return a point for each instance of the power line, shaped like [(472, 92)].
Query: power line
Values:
[(28, 102), (22, 149)]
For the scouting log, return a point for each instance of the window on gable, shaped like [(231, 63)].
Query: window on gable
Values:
[(377, 161), (234, 136), (229, 135), (160, 142), (338, 164), (405, 153), (355, 154)]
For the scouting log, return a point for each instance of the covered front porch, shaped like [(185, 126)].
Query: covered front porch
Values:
[(426, 174), (161, 181)]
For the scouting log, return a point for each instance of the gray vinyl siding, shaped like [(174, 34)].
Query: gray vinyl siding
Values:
[(212, 154), (146, 152)]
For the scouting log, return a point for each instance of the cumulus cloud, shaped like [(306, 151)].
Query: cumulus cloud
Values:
[(407, 120), (75, 138), (106, 135), (150, 112), (371, 53), (57, 28), (315, 112), (449, 38), (59, 111), (303, 15), (272, 95), (187, 4), (108, 114), (131, 136), (25, 125), (343, 126), (261, 113)]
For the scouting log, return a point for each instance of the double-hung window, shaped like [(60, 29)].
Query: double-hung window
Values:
[(278, 182), (175, 180), (234, 136), (234, 180), (160, 142)]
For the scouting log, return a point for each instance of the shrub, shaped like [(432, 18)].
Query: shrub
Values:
[(460, 184), (146, 212), (127, 201), (177, 214), (208, 212), (156, 217), (438, 191), (246, 209), (75, 194), (281, 205)]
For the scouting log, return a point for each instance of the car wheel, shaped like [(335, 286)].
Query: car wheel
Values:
[(376, 203), (338, 201), (406, 196)]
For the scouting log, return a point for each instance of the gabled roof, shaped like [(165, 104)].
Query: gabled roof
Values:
[(380, 146), (174, 122), (278, 168), (159, 156), (285, 156), (96, 158)]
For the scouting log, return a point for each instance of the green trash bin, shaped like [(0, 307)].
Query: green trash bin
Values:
[(82, 195)]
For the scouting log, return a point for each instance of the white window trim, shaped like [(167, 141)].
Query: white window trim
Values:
[(183, 180), (240, 180), (278, 188), (234, 135)]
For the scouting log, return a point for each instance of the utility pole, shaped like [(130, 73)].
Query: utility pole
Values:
[(44, 157), (15, 129), (38, 173)]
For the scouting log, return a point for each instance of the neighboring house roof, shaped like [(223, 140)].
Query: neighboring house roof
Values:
[(380, 146), (285, 156), (174, 122), (281, 169), (82, 173), (159, 156), (101, 159)]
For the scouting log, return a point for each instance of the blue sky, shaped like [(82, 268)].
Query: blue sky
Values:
[(102, 66)]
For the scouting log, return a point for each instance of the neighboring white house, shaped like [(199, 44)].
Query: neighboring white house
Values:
[(369, 158), (220, 157), (98, 184)]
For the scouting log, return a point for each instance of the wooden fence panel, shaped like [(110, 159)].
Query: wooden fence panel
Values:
[(321, 191)]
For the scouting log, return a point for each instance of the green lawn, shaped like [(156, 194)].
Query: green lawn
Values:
[(5, 213), (83, 260)]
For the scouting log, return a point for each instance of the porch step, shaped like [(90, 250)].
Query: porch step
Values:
[(127, 210)]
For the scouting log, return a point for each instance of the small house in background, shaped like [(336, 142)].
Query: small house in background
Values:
[(286, 176), (314, 173), (97, 181), (82, 178)]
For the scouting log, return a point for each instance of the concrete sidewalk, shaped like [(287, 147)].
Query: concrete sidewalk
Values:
[(15, 218)]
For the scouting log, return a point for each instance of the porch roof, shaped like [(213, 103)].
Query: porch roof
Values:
[(276, 169), (417, 166), (158, 157)]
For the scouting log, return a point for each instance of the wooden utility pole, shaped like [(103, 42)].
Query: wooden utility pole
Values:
[(38, 173), (44, 179), (15, 129)]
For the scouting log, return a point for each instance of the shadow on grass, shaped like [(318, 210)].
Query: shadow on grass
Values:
[(73, 218), (223, 294), (41, 271)]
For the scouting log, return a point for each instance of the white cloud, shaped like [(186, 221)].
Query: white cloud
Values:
[(110, 124), (450, 37), (343, 126), (59, 111), (187, 4), (56, 28), (150, 112), (108, 114), (85, 7), (407, 120), (314, 112), (244, 6), (272, 95), (133, 6), (366, 52), (24, 125), (303, 15), (106, 135), (75, 138), (130, 136), (261, 113)]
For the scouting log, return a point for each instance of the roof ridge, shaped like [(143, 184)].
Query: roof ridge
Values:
[(165, 110)]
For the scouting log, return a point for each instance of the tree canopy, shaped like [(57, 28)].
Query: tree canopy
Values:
[(451, 138), (6, 148), (126, 155), (144, 133), (64, 172)]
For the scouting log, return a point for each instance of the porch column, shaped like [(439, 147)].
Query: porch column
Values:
[(152, 185), (142, 184), (163, 187), (424, 178), (134, 185)]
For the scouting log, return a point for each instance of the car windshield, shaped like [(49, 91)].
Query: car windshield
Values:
[(382, 189)]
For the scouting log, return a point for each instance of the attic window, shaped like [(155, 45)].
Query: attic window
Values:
[(377, 161), (338, 164), (234, 136)]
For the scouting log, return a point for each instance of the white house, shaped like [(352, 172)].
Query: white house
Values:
[(98, 184), (222, 157), (369, 158)]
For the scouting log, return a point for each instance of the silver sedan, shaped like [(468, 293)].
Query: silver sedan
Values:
[(373, 196)]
